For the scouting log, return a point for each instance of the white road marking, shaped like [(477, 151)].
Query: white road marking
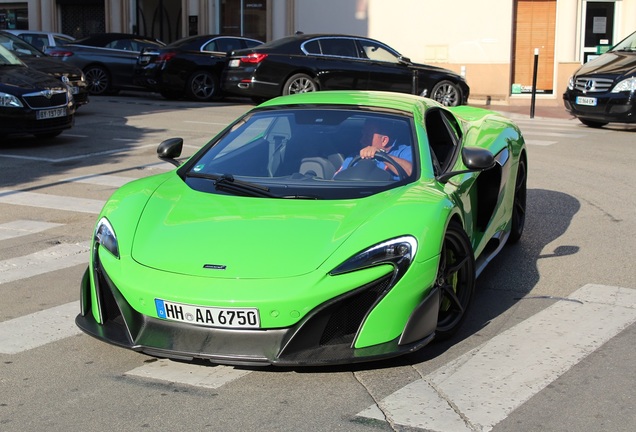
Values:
[(81, 156), (482, 387), (54, 258), (34, 199), (191, 374), (37, 329), (539, 142), (20, 228), (101, 180)]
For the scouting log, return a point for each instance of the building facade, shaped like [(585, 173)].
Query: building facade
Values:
[(500, 46)]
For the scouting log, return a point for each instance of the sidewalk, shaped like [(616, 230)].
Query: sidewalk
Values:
[(540, 111)]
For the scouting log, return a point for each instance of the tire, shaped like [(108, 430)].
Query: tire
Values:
[(202, 86), (519, 203), (299, 83), (447, 93), (98, 79), (592, 124), (455, 280)]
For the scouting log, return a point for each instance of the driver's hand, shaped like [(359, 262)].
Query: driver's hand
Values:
[(368, 152)]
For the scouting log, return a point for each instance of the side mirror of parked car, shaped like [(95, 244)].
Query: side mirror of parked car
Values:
[(475, 159), (170, 149)]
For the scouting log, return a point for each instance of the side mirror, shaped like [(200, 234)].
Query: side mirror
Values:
[(170, 149), (475, 159)]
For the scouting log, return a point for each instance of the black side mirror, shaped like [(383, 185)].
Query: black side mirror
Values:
[(475, 159), (170, 149)]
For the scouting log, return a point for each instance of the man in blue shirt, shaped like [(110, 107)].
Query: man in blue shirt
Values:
[(377, 136)]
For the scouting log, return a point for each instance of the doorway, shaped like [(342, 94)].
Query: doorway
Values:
[(598, 28)]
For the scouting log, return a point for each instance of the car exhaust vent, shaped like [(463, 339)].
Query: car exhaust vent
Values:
[(593, 85), (349, 313)]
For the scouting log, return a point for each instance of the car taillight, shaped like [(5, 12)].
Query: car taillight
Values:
[(253, 58), (165, 57), (59, 53)]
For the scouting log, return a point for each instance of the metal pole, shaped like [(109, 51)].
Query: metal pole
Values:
[(534, 81)]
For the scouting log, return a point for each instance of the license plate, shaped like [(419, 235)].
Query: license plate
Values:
[(235, 62), (50, 113), (208, 316), (589, 101), (74, 90), (144, 59)]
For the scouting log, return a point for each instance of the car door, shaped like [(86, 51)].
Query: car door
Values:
[(387, 70), (338, 64)]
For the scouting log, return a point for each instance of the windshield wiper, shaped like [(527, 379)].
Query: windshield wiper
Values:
[(229, 183)]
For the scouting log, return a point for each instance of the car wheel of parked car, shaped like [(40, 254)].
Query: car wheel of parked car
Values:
[(447, 93), (98, 80), (202, 86), (592, 124), (519, 203), (299, 83), (455, 280)]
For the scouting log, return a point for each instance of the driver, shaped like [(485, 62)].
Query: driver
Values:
[(377, 136)]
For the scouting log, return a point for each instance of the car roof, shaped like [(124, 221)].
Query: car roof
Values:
[(109, 37), (19, 32)]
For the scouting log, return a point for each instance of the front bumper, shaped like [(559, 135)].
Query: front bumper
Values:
[(325, 336), (609, 108)]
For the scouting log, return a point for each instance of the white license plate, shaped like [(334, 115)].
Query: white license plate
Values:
[(75, 90), (50, 113), (208, 316), (144, 59), (235, 62), (589, 101)]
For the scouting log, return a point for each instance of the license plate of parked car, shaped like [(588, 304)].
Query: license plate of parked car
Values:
[(208, 316), (589, 101), (234, 62), (50, 113)]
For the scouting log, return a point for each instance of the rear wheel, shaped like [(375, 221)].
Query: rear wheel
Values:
[(98, 79), (519, 203), (300, 83), (455, 280), (592, 124), (447, 93), (202, 86)]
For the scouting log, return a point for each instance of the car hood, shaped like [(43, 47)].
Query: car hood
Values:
[(21, 79), (52, 66), (184, 231), (613, 63)]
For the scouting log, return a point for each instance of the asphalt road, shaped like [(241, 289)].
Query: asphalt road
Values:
[(548, 345)]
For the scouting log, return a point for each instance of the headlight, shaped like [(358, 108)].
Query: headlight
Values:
[(105, 236), (571, 83), (8, 100), (627, 85), (398, 252)]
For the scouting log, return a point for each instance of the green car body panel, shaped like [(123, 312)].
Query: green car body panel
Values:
[(192, 247)]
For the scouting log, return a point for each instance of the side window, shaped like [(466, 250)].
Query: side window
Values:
[(121, 44), (339, 47), (61, 40), (444, 136), (312, 47), (251, 43), (210, 46), (377, 52), (227, 44)]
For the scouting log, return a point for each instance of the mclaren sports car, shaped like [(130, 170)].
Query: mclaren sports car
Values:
[(317, 229)]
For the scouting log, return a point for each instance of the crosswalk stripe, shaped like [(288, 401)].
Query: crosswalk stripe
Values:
[(20, 228), (39, 328), (191, 374), (539, 142), (482, 387), (101, 180), (34, 199), (54, 258)]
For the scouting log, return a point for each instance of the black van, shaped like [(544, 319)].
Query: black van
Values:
[(603, 90)]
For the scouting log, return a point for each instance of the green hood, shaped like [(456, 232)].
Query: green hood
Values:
[(182, 230)]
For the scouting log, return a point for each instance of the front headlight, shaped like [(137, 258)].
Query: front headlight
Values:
[(627, 85), (571, 83), (398, 252), (10, 101), (105, 236)]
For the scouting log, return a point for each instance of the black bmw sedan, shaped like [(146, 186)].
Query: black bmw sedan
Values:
[(188, 68), (312, 62), (32, 102)]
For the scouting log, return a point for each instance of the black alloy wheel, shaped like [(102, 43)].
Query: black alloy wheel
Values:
[(299, 83), (519, 203), (455, 280), (98, 80), (447, 93), (202, 86)]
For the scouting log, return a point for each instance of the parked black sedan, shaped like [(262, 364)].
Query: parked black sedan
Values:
[(32, 102), (107, 59), (311, 62), (36, 59), (190, 67)]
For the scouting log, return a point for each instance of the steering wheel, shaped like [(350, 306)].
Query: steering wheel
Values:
[(383, 157)]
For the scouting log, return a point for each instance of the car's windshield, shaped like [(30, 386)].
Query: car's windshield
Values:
[(308, 153), (18, 46), (627, 44), (8, 58)]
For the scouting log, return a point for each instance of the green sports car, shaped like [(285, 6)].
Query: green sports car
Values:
[(319, 228)]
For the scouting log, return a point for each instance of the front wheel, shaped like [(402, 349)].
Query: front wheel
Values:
[(447, 93), (299, 83), (98, 79), (519, 203), (202, 86), (455, 281)]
